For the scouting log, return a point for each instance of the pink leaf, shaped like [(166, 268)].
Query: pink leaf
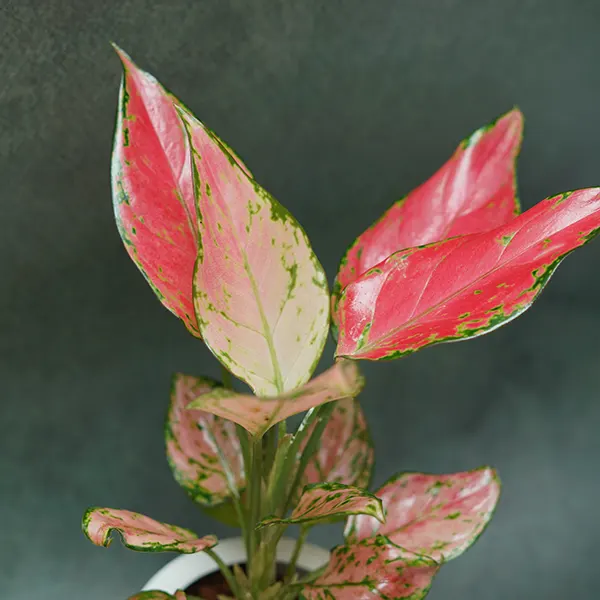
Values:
[(439, 516), (194, 440), (474, 191), (153, 191), (372, 569), (142, 533), (465, 286), (328, 500), (261, 295), (257, 414), (345, 454)]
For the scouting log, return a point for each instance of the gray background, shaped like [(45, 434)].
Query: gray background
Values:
[(339, 108)]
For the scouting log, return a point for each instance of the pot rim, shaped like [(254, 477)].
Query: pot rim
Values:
[(184, 570)]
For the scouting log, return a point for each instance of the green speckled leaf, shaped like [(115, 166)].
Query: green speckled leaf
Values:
[(440, 516), (261, 296), (192, 440), (373, 569), (141, 533), (323, 501)]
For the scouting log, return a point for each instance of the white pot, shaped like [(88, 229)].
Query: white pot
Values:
[(184, 570)]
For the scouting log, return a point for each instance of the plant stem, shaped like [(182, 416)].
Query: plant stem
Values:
[(227, 574), (291, 570), (320, 418), (226, 378), (255, 484)]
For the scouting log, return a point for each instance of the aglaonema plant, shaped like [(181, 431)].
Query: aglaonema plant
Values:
[(452, 260)]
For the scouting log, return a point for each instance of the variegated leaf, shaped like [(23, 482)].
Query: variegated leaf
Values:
[(158, 595), (465, 286), (372, 569), (474, 191), (345, 454), (257, 414), (141, 533), (439, 516), (322, 501), (194, 441), (153, 192), (261, 295)]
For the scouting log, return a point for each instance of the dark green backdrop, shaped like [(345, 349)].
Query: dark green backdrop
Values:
[(339, 108)]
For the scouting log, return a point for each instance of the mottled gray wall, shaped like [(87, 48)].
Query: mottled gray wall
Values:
[(339, 108)]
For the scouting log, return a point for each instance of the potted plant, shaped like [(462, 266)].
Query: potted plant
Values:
[(452, 260)]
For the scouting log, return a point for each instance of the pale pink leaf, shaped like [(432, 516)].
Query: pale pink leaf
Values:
[(324, 501), (153, 193), (372, 569), (465, 286), (439, 516), (345, 454), (141, 533), (256, 414), (261, 295), (474, 191), (194, 440)]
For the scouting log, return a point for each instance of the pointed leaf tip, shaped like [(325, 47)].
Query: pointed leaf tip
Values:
[(439, 516), (141, 533)]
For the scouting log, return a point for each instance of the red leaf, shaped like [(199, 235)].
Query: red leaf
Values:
[(474, 191), (153, 192), (192, 438), (141, 533), (439, 516), (372, 569), (465, 286)]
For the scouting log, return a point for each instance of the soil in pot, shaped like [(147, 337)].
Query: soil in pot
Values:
[(213, 585)]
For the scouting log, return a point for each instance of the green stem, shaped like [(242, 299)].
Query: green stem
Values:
[(227, 574), (255, 485), (226, 377), (320, 418), (291, 570)]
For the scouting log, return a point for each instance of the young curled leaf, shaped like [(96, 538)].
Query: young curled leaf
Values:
[(194, 440), (372, 569), (260, 294), (257, 414), (474, 191), (464, 286), (141, 533), (345, 454), (158, 595), (324, 501), (439, 516)]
